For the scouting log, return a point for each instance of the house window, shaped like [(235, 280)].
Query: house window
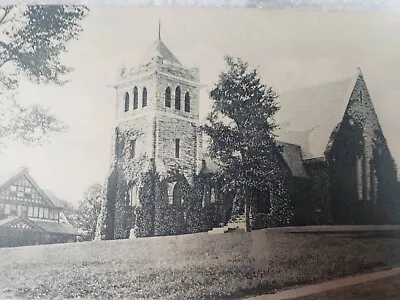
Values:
[(35, 212), (168, 97), (46, 213), (187, 102), (7, 209), (144, 97), (178, 98), (41, 212), (126, 101), (135, 98), (13, 188), (30, 211), (132, 148), (177, 147), (177, 195)]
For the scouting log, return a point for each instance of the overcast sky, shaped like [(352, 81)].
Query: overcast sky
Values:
[(291, 49)]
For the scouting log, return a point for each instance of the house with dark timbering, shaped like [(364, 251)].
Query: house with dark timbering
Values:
[(30, 215), (334, 153)]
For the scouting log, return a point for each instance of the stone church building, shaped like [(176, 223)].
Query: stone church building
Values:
[(160, 180)]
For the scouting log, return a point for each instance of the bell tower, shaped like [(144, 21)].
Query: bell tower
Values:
[(157, 121)]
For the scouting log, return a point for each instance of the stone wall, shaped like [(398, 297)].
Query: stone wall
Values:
[(354, 162)]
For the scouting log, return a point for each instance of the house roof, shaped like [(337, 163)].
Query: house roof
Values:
[(23, 171), (308, 116), (55, 227), (41, 225), (160, 51), (291, 154), (293, 157)]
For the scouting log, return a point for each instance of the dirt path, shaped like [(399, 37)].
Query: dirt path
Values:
[(329, 285)]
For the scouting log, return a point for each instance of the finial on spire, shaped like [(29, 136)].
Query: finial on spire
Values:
[(159, 29)]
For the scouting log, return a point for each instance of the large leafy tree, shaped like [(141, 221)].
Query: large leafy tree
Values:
[(89, 211), (32, 40), (242, 141)]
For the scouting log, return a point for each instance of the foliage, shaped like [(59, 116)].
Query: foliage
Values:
[(89, 211), (241, 126), (33, 38)]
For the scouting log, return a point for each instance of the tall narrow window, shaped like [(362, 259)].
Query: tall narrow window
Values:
[(177, 147), (187, 102), (133, 148), (133, 195), (135, 98), (177, 195), (361, 97), (168, 97), (178, 98), (126, 102), (144, 97)]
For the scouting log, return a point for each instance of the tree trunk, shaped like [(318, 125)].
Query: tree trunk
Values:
[(247, 213)]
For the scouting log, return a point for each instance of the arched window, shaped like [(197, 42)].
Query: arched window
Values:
[(144, 97), (168, 97), (187, 102), (206, 195), (133, 195), (126, 101), (178, 98), (135, 98), (177, 195)]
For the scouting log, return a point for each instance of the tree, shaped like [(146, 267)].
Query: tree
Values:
[(242, 142), (89, 211), (32, 40)]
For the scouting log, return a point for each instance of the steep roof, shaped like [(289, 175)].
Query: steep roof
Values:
[(160, 51), (23, 171), (308, 116)]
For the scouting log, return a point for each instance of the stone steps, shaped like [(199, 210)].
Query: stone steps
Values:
[(235, 223)]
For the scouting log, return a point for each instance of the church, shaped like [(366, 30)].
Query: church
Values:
[(160, 180)]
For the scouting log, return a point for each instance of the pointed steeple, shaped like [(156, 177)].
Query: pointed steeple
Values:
[(159, 29), (159, 51)]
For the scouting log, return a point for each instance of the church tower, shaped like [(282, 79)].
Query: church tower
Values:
[(157, 128)]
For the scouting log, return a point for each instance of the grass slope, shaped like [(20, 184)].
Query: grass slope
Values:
[(191, 266)]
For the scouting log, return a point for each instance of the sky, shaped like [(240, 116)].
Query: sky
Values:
[(291, 49)]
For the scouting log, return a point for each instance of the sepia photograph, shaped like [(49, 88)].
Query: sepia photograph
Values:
[(183, 151)]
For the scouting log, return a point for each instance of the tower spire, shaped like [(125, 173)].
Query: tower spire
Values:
[(159, 29)]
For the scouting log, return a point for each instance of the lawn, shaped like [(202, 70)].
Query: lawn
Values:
[(193, 266), (384, 289)]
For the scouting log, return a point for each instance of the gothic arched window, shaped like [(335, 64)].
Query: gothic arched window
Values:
[(168, 97), (187, 102), (135, 98), (177, 195), (126, 102), (133, 195), (144, 97), (178, 98)]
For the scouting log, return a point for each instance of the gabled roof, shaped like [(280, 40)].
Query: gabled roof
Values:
[(48, 196), (308, 116), (160, 51), (291, 154)]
